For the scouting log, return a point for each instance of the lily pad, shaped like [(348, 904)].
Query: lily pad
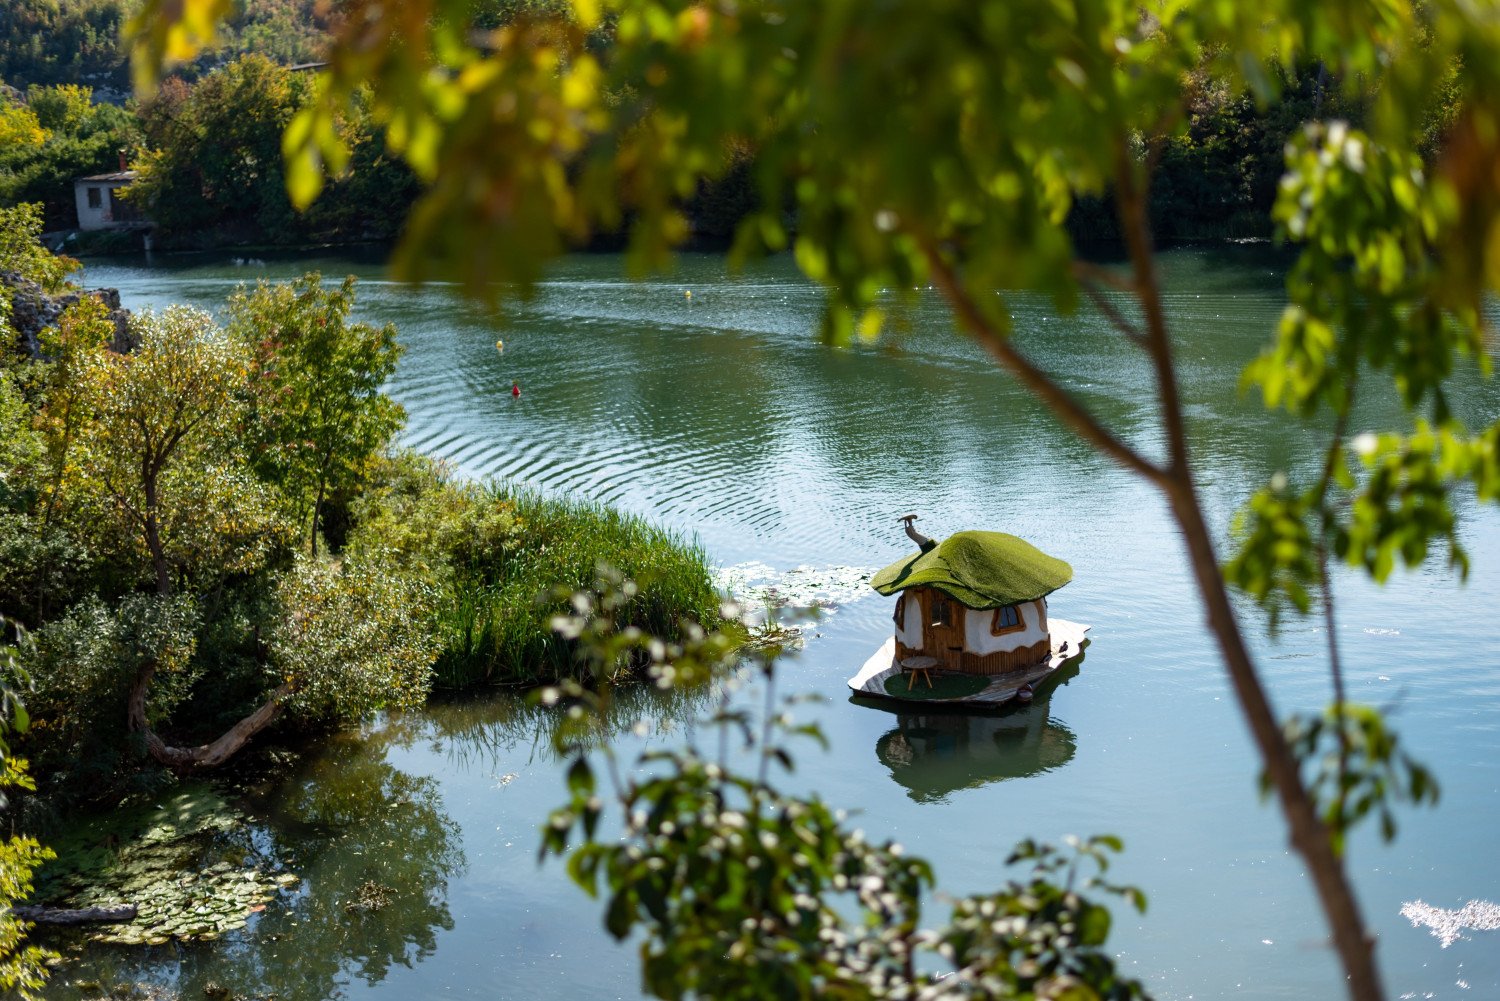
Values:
[(182, 860)]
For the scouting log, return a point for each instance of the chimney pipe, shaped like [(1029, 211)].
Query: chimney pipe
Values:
[(922, 541), (124, 166)]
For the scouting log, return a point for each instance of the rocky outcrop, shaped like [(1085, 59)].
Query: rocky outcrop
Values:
[(32, 310)]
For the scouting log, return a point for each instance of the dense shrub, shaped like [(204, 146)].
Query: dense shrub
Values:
[(352, 638)]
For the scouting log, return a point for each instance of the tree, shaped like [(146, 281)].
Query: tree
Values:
[(22, 253), (992, 121), (147, 453), (158, 463), (320, 416), (213, 172), (217, 163), (60, 41), (349, 641)]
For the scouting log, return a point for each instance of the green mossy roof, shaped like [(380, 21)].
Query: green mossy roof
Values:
[(980, 569)]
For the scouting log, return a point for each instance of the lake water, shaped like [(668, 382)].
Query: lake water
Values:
[(721, 415)]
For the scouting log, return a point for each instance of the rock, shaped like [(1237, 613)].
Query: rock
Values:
[(33, 310)]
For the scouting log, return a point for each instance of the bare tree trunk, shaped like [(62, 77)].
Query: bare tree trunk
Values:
[(212, 754)]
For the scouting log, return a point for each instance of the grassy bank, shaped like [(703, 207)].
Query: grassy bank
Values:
[(496, 627), (500, 557)]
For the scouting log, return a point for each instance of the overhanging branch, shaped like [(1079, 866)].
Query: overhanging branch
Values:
[(1041, 385)]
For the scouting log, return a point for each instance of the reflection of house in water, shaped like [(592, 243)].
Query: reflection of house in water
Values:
[(934, 754)]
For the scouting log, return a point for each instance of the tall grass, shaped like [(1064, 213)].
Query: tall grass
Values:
[(495, 625)]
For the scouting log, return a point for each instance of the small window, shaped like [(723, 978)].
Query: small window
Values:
[(95, 200), (1007, 620), (942, 611), (900, 614)]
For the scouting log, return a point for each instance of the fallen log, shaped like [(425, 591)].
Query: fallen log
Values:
[(66, 916)]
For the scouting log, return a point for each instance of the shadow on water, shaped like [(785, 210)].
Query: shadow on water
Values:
[(935, 752)]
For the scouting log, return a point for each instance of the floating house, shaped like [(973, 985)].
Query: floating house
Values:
[(975, 602), (971, 609)]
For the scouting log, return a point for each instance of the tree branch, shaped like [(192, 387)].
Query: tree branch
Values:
[(1039, 383), (212, 754), (1325, 583), (1309, 836)]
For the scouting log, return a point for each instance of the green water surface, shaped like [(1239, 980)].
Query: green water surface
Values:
[(721, 415)]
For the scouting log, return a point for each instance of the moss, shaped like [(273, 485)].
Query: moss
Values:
[(945, 685)]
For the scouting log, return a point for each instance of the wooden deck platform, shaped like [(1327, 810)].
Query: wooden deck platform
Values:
[(871, 679)]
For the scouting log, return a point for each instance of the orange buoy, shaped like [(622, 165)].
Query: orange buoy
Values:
[(515, 389)]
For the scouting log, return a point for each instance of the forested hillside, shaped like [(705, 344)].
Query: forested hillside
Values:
[(78, 41), (208, 142)]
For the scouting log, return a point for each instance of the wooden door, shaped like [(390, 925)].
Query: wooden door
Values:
[(943, 628)]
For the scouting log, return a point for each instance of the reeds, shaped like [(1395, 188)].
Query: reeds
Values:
[(495, 625)]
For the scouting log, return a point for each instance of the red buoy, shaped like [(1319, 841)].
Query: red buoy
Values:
[(515, 389)]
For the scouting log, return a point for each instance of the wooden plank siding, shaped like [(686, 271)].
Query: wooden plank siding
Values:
[(946, 643)]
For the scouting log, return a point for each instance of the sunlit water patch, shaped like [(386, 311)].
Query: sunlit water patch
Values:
[(1448, 925)]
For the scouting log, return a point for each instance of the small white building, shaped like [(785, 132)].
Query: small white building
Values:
[(975, 603), (99, 205)]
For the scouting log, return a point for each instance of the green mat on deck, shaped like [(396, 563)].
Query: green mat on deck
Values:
[(944, 686)]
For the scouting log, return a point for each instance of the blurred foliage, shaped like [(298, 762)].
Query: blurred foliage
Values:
[(1357, 768), (737, 890)]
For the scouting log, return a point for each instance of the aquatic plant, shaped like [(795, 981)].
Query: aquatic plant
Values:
[(504, 559), (497, 626), (187, 863)]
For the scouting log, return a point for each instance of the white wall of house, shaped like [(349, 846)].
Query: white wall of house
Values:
[(909, 629), (978, 638), (97, 206)]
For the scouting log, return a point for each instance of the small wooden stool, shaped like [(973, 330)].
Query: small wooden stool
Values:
[(914, 666)]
